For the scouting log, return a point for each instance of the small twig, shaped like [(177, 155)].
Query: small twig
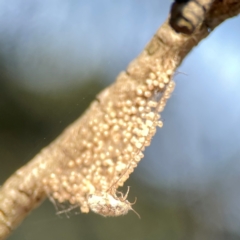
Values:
[(93, 152)]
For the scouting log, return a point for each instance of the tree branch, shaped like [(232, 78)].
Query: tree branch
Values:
[(104, 145)]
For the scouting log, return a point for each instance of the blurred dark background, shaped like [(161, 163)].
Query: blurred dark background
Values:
[(55, 56)]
